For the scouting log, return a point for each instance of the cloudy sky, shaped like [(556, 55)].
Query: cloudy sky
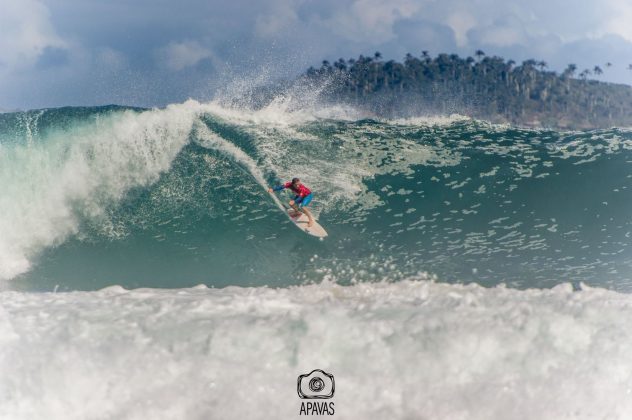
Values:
[(154, 52)]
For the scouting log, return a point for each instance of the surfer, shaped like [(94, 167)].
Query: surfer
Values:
[(302, 198)]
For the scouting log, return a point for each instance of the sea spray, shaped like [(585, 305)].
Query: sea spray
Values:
[(48, 185)]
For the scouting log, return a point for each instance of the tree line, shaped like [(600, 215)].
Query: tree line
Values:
[(480, 86)]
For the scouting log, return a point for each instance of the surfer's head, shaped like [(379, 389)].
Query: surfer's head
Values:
[(296, 181)]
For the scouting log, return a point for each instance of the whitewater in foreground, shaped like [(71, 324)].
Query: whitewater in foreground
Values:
[(412, 349)]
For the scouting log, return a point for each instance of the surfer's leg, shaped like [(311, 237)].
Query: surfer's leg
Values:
[(309, 216), (294, 204), (304, 201)]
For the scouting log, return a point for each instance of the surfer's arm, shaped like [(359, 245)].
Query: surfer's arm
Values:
[(277, 188), (281, 187)]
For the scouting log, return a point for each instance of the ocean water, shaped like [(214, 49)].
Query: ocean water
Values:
[(472, 270)]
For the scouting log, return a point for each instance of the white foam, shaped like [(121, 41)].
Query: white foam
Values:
[(414, 349), (46, 187), (282, 112), (430, 120), (336, 168)]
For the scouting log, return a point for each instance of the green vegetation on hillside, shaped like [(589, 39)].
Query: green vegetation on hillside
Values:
[(483, 87)]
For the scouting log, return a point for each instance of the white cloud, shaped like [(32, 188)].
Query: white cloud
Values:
[(370, 20), (26, 31), (180, 55), (620, 23), (502, 33), (280, 16), (461, 22)]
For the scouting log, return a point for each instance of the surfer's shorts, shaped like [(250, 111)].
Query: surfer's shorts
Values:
[(303, 201)]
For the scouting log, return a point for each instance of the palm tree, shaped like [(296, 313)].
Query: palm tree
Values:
[(597, 71), (542, 65), (570, 70), (377, 55), (479, 54)]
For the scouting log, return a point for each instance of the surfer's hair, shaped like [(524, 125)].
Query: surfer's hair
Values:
[(295, 180)]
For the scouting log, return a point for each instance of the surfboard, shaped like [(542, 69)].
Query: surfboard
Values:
[(301, 220)]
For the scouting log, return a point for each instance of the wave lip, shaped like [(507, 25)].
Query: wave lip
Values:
[(50, 183), (399, 350)]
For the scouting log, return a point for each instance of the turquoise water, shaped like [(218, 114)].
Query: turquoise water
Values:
[(146, 273), (176, 197)]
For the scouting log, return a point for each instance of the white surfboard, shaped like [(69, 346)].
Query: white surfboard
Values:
[(301, 220)]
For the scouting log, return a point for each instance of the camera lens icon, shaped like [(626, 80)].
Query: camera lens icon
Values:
[(317, 384)]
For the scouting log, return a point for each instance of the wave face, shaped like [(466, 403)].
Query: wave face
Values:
[(175, 197)]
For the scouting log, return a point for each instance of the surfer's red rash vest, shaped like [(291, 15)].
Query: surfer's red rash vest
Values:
[(301, 191)]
